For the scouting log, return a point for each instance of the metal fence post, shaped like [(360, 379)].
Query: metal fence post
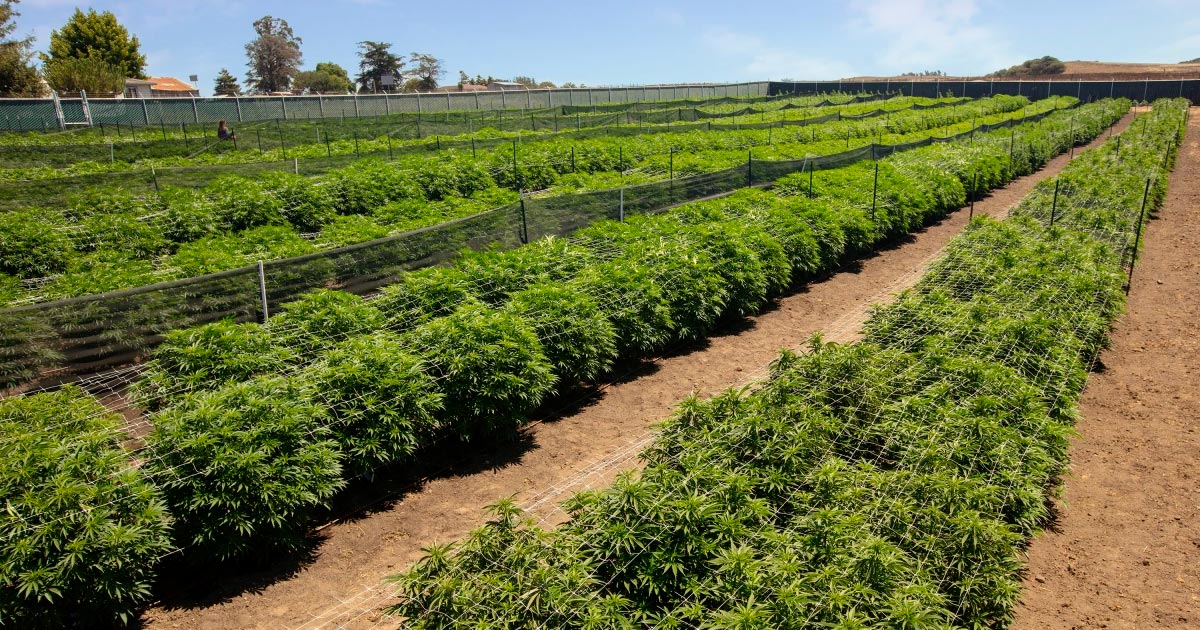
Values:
[(195, 110), (875, 190), (621, 207), (262, 291), (524, 225), (974, 188), (146, 112), (1137, 239), (1054, 204), (238, 103)]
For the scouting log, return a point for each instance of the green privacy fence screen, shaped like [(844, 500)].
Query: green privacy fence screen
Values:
[(32, 114)]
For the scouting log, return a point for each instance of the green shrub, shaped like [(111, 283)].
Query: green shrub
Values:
[(692, 286), (187, 215), (308, 203), (453, 177), (384, 405), (208, 357), (100, 273), (242, 467), (496, 274), (83, 528), (100, 201), (242, 203), (421, 295), (321, 318), (371, 184), (578, 339), (230, 251), (633, 301), (489, 364), (351, 229), (126, 233), (32, 244)]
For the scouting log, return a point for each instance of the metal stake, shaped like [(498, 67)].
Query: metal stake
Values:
[(262, 290), (1137, 239)]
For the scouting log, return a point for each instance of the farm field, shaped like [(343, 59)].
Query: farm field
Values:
[(1124, 551), (561, 453), (478, 432), (96, 239)]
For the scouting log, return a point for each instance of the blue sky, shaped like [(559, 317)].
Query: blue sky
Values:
[(616, 42)]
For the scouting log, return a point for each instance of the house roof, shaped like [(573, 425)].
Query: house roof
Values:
[(170, 84), (466, 87), (138, 82)]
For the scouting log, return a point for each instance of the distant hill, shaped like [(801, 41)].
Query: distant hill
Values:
[(1085, 71)]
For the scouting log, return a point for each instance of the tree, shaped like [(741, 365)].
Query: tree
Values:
[(274, 56), (226, 84), (18, 77), (411, 85), (326, 78), (1033, 67), (546, 84), (99, 36), (91, 74), (463, 78), (529, 82), (428, 71), (375, 62)]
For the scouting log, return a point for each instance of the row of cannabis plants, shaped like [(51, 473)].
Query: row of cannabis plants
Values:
[(34, 155), (109, 240), (250, 429), (892, 482)]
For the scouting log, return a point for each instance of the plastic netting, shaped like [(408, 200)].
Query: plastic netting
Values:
[(67, 338), (32, 114)]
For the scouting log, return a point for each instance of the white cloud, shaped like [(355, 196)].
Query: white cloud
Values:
[(761, 60), (932, 35)]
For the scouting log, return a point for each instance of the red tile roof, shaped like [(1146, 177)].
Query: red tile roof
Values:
[(170, 84)]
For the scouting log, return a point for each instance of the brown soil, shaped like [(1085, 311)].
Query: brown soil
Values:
[(582, 445), (1125, 552)]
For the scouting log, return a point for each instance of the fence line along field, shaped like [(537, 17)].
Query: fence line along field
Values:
[(430, 282)]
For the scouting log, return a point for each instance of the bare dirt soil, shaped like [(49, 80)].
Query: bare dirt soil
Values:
[(1125, 551), (582, 443)]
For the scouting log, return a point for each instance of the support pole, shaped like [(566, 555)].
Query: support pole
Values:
[(1137, 239), (262, 290), (524, 225), (974, 188), (875, 190), (1054, 204)]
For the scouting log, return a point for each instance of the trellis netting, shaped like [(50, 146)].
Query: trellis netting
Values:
[(63, 339)]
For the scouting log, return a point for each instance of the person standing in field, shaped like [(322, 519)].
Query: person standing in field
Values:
[(223, 131)]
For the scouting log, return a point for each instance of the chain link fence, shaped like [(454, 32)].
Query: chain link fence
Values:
[(1146, 90), (33, 114)]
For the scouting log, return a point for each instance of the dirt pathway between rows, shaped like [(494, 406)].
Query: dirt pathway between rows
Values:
[(1125, 552), (584, 446)]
